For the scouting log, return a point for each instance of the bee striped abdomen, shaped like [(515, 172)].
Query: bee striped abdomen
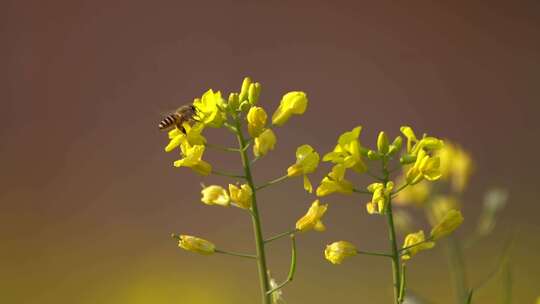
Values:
[(167, 122)]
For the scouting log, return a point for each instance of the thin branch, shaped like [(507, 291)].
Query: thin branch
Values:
[(217, 172), (414, 245), (292, 269), (278, 236), (361, 191), (277, 180), (374, 253), (242, 255), (400, 188)]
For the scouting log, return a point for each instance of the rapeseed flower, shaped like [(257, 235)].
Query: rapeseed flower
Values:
[(381, 197), (195, 244), (215, 195), (264, 143), (307, 160), (338, 251), (335, 182), (292, 103), (256, 118), (242, 195), (347, 151), (193, 159), (450, 222), (312, 219), (418, 240)]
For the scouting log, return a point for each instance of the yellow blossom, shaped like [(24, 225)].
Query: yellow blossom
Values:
[(192, 136), (413, 239), (215, 195), (411, 137), (425, 167), (307, 160), (256, 118), (210, 107), (195, 244), (292, 103), (264, 143), (415, 194), (335, 182), (193, 159), (347, 151), (456, 165), (241, 196), (381, 197), (338, 251), (312, 219), (450, 222)]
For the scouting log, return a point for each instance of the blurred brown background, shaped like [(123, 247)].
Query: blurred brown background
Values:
[(88, 197)]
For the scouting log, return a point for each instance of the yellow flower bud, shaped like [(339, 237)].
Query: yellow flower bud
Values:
[(381, 197), (335, 182), (256, 118), (413, 239), (395, 146), (195, 244), (450, 222), (254, 92), (264, 143), (244, 91), (215, 195), (291, 103), (338, 251), (234, 101), (382, 143), (193, 159), (241, 196), (312, 219)]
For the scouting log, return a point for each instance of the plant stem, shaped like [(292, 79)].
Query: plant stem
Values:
[(242, 255), (221, 173), (457, 269), (257, 230), (277, 180), (375, 253), (292, 268), (392, 238), (278, 236)]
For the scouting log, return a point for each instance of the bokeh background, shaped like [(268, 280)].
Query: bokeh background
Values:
[(88, 197)]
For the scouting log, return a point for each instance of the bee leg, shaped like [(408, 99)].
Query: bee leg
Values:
[(181, 128)]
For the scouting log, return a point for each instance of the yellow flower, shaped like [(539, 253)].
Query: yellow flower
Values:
[(347, 151), (307, 160), (256, 118), (312, 219), (338, 251), (415, 195), (439, 207), (195, 244), (241, 196), (414, 145), (292, 103), (193, 136), (335, 182), (411, 137), (456, 165), (264, 143), (413, 239), (193, 159), (425, 167), (450, 222), (381, 197), (215, 195), (210, 106)]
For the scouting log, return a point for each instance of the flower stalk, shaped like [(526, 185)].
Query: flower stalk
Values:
[(255, 217)]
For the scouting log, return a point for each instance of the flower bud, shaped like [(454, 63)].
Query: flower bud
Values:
[(382, 143), (450, 222), (395, 146), (254, 92), (234, 101), (256, 118), (338, 251), (195, 244), (373, 155), (215, 195), (245, 89)]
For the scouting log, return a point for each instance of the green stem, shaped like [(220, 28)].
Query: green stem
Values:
[(221, 173), (218, 147), (375, 253), (292, 269), (400, 188), (242, 255), (278, 236), (361, 191), (277, 180), (457, 269), (257, 230), (393, 241)]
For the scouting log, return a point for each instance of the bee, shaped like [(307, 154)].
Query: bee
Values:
[(186, 113)]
